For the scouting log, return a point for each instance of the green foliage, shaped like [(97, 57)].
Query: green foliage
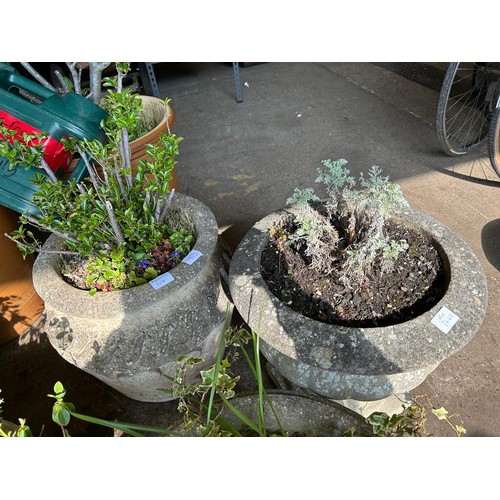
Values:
[(22, 430), (116, 218), (392, 249), (202, 403), (302, 197), (23, 152), (337, 179), (62, 412), (379, 196), (411, 421), (355, 220)]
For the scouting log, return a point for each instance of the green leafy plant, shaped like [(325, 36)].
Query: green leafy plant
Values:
[(62, 412), (7, 429), (201, 403), (352, 220), (206, 403), (411, 421), (118, 218)]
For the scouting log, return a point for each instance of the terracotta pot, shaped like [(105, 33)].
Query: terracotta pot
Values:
[(131, 339), (20, 305), (166, 117)]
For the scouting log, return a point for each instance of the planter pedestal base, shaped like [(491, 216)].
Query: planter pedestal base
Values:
[(391, 405)]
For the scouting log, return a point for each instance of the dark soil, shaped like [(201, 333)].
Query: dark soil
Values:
[(382, 297)]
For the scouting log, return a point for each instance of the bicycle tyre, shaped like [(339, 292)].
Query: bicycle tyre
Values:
[(462, 115), (494, 141)]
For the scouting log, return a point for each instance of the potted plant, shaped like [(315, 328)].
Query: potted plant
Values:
[(155, 115), (130, 274), (358, 296)]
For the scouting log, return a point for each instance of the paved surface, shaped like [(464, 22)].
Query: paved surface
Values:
[(244, 159)]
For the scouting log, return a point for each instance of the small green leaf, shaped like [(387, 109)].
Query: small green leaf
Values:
[(59, 389), (440, 413), (60, 415)]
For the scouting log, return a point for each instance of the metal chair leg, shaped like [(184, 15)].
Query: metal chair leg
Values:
[(237, 82)]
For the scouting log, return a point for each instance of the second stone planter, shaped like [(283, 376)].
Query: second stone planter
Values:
[(360, 364)]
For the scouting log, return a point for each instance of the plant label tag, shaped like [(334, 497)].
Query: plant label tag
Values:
[(161, 280), (192, 257), (444, 319)]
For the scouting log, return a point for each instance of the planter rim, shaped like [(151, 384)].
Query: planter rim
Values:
[(161, 127), (312, 342), (51, 286)]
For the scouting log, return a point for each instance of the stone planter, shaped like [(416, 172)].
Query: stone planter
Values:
[(130, 339), (301, 415), (361, 364)]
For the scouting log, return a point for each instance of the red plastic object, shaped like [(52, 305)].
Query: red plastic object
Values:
[(54, 153)]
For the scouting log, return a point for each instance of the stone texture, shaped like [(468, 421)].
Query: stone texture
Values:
[(300, 414), (130, 339), (360, 363)]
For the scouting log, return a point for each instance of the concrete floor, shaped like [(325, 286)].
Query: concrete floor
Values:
[(244, 159)]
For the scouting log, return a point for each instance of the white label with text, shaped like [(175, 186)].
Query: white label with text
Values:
[(192, 257), (161, 280), (444, 319)]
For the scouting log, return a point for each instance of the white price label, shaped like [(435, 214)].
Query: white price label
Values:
[(161, 280), (192, 257), (445, 319)]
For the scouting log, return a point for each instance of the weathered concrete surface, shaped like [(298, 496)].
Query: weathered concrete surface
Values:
[(364, 364), (301, 414), (131, 339)]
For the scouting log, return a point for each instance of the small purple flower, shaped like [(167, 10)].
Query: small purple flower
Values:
[(175, 255), (143, 264)]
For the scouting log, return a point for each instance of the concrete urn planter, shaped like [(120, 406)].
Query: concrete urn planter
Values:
[(361, 364), (130, 339), (300, 414)]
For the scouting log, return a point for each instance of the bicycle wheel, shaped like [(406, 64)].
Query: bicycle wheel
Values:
[(464, 106), (494, 141)]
